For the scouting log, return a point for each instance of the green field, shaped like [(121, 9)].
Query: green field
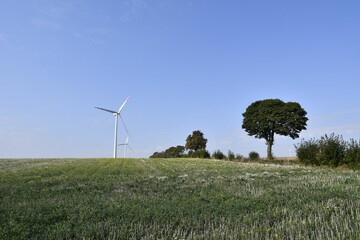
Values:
[(175, 199)]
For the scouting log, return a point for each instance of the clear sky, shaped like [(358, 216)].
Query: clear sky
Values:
[(186, 65)]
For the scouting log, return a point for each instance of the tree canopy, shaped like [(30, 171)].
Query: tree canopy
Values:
[(265, 118), (196, 141)]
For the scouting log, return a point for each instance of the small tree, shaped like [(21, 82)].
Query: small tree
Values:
[(352, 154), (254, 155), (231, 155), (265, 118), (307, 151), (332, 150), (218, 155), (196, 141)]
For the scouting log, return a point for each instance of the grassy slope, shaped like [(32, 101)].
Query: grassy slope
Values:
[(175, 199)]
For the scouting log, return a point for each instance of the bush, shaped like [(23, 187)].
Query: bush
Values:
[(218, 155), (157, 155), (331, 150), (202, 153), (172, 152), (254, 155), (231, 155), (307, 151), (352, 154), (239, 157)]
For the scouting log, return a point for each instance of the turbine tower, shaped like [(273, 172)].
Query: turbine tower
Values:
[(116, 114), (126, 144)]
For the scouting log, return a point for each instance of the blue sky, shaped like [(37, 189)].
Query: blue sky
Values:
[(186, 65)]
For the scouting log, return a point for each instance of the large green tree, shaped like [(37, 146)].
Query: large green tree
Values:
[(265, 118), (196, 141)]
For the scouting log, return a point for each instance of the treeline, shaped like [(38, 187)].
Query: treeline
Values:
[(181, 152), (331, 151), (195, 147)]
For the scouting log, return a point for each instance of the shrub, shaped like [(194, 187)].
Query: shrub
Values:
[(202, 153), (172, 152), (157, 155), (254, 155), (239, 157), (352, 154), (331, 150), (218, 155), (231, 155), (307, 151)]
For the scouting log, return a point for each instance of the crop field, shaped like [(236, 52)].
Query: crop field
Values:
[(175, 199)]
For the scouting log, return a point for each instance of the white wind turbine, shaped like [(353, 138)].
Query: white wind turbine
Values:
[(116, 114), (126, 144)]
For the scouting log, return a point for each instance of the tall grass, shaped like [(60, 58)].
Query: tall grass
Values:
[(175, 199)]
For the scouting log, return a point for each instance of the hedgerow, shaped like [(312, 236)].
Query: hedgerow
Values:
[(330, 150)]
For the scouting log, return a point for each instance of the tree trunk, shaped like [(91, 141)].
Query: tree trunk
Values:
[(270, 143), (269, 149)]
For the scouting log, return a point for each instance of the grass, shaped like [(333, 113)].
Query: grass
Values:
[(175, 199)]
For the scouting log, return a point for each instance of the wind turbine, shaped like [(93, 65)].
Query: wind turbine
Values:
[(116, 114), (126, 144)]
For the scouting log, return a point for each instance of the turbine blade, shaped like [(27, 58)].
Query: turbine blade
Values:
[(130, 148), (107, 110), (122, 120), (123, 105)]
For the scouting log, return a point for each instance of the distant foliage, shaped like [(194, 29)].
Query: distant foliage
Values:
[(157, 155), (329, 150), (172, 152), (202, 153), (231, 155), (254, 155), (218, 155), (195, 147)]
